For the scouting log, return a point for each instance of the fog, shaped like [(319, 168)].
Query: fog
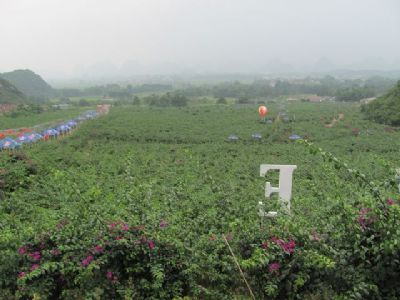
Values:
[(98, 38)]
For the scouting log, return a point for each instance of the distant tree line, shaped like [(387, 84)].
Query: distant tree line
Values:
[(114, 90), (343, 90), (168, 99)]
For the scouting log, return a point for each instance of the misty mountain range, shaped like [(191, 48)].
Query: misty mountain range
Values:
[(110, 70)]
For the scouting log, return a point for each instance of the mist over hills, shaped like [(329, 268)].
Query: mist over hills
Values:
[(134, 71)]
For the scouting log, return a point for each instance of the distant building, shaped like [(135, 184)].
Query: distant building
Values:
[(103, 109), (7, 107), (314, 98)]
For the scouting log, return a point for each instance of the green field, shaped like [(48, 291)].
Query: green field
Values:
[(136, 204), (51, 117)]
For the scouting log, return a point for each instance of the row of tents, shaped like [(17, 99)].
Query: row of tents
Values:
[(14, 139)]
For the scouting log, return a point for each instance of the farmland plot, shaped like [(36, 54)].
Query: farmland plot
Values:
[(138, 204)]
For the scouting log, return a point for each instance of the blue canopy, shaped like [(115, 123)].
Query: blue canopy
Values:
[(23, 139), (50, 132), (294, 137), (72, 123), (9, 143), (63, 128), (34, 136)]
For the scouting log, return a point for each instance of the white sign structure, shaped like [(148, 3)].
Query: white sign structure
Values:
[(284, 189)]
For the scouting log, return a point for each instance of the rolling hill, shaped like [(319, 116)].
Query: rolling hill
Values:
[(30, 83), (10, 94)]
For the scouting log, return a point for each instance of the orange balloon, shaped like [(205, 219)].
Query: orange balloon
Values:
[(262, 111)]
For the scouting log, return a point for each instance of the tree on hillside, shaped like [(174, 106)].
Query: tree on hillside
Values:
[(385, 109)]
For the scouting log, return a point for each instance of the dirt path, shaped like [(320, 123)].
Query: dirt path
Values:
[(335, 120)]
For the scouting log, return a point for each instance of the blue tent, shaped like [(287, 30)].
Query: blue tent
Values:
[(34, 137), (72, 123), (51, 132), (295, 137), (9, 143), (23, 139), (63, 128)]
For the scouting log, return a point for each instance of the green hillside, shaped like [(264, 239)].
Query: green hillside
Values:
[(30, 83), (385, 109), (9, 93)]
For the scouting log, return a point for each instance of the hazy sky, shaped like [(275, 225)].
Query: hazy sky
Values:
[(76, 37)]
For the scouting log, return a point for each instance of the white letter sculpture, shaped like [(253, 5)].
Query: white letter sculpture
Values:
[(285, 186)]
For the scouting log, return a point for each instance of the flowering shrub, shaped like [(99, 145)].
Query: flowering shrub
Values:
[(121, 261)]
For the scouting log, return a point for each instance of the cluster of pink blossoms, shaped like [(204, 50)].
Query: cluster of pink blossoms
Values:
[(274, 267), (363, 219), (288, 247), (390, 201), (110, 276), (87, 260), (36, 256), (151, 244), (98, 249)]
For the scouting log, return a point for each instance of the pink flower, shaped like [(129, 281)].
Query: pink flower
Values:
[(35, 255), (274, 267), (21, 274), (125, 227), (163, 223), (151, 244), (87, 261), (264, 245), (109, 275), (22, 250), (98, 249), (289, 246), (390, 201), (118, 238), (34, 267)]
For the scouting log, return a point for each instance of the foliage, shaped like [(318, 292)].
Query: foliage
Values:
[(9, 93), (133, 205), (385, 109), (168, 99)]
